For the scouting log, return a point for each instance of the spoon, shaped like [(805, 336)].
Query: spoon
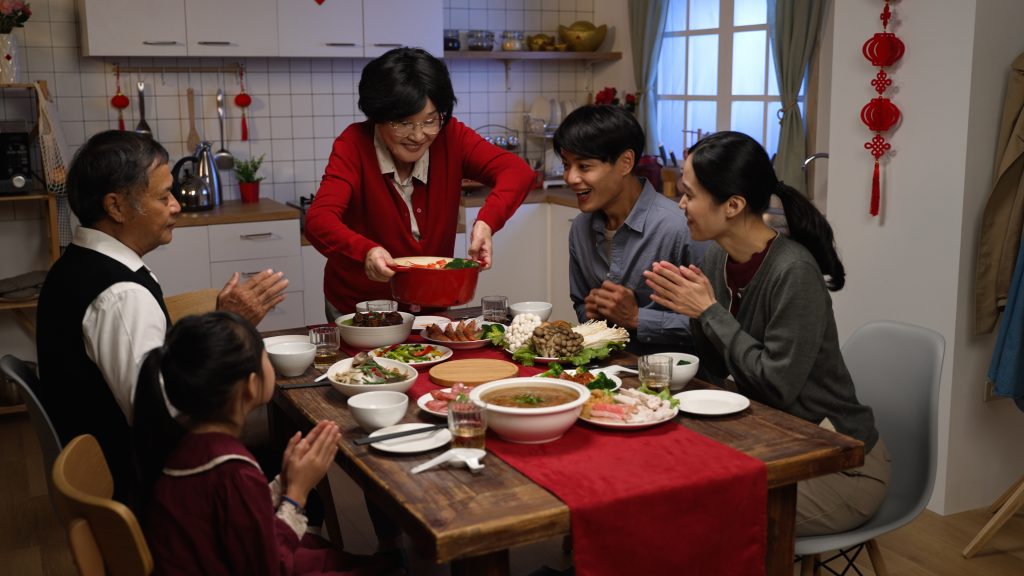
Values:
[(468, 456), (192, 141), (223, 159), (142, 127)]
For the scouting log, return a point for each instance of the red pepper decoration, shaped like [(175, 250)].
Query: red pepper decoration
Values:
[(880, 114), (119, 101), (243, 101)]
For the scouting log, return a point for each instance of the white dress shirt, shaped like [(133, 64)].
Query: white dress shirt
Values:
[(420, 171), (122, 324)]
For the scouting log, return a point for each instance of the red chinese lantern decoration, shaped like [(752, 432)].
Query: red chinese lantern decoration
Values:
[(883, 50), (119, 101), (243, 100)]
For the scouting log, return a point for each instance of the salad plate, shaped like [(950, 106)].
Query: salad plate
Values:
[(629, 425), (412, 444), (711, 402), (414, 354), (595, 372)]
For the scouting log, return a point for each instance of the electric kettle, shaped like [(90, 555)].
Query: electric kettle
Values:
[(201, 191)]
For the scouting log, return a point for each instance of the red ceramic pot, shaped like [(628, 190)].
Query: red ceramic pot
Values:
[(432, 287), (249, 191)]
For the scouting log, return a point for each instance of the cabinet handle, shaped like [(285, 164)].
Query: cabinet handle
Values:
[(159, 42), (214, 43), (385, 45), (256, 236), (248, 275), (342, 44)]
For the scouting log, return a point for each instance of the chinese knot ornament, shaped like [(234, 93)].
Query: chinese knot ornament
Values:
[(880, 114)]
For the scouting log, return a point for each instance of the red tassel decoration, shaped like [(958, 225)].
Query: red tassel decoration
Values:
[(243, 101), (880, 114), (119, 101), (876, 193)]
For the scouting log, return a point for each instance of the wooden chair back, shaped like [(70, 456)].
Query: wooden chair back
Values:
[(195, 302), (105, 535)]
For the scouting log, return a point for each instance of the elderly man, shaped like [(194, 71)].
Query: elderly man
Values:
[(101, 310)]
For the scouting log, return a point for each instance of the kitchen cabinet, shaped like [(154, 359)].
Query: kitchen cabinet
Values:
[(184, 264), (333, 29), (389, 24), (132, 27), (313, 263), (520, 262), (231, 27), (559, 223)]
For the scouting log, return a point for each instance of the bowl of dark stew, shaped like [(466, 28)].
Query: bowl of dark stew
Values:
[(531, 410), (434, 281)]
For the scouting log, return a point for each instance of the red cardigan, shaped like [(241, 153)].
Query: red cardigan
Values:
[(357, 208)]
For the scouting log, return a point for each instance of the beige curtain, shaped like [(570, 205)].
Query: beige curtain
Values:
[(793, 28), (646, 28)]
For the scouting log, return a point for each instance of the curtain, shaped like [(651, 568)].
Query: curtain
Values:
[(793, 28), (646, 28)]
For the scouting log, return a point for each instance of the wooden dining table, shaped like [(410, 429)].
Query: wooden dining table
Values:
[(473, 520)]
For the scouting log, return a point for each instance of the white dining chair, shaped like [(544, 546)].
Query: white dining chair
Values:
[(896, 369)]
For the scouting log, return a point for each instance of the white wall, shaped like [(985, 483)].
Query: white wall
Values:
[(915, 262)]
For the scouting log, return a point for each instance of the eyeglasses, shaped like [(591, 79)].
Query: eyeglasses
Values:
[(430, 126)]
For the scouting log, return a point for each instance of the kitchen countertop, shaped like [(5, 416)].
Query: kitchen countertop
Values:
[(560, 196), (234, 212)]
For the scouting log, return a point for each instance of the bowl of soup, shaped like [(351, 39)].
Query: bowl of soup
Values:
[(530, 410)]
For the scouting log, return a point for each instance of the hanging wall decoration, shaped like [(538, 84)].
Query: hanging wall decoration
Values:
[(880, 115), (119, 101)]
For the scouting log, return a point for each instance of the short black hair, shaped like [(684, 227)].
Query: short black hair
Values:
[(397, 85), (601, 133), (110, 161)]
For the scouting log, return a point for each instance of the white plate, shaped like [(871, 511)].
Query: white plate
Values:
[(711, 402), (539, 359), (446, 353), (464, 345), (421, 322), (411, 444), (422, 403), (629, 425), (268, 342)]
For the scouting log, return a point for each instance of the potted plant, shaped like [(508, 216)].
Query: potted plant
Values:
[(248, 181)]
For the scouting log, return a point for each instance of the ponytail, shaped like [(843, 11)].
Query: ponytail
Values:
[(155, 433), (808, 226)]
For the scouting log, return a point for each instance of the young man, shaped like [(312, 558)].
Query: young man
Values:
[(624, 227)]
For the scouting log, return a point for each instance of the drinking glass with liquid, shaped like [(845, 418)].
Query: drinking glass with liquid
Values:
[(494, 308), (655, 372), (467, 421), (327, 340)]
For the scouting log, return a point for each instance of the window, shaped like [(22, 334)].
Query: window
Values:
[(716, 72)]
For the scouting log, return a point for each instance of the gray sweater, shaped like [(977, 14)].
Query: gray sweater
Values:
[(782, 347)]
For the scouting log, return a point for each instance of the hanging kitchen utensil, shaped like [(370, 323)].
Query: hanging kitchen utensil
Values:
[(192, 141), (142, 127), (223, 158), (119, 101), (243, 100)]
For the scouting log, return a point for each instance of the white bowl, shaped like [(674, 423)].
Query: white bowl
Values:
[(366, 338), (541, 309), (531, 425), (681, 375), (291, 358), (378, 409), (353, 389)]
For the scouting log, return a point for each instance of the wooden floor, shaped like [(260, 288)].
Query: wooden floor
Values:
[(32, 543)]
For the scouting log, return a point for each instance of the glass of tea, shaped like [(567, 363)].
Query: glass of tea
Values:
[(495, 308), (467, 422), (327, 340), (655, 371)]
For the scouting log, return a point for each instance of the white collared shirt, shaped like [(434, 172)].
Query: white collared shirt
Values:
[(122, 324), (420, 170)]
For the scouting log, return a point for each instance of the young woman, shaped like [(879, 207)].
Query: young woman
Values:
[(211, 511), (762, 315)]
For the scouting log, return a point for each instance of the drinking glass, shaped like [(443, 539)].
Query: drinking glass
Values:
[(383, 306), (467, 422), (495, 308), (655, 371), (327, 340)]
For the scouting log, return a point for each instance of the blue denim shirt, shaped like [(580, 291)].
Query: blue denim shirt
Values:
[(654, 230)]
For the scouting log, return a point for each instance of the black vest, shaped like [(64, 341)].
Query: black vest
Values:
[(72, 389)]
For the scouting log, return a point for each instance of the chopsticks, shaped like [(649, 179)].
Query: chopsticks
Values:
[(414, 431), (315, 384)]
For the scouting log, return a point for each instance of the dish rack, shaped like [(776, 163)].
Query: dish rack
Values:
[(501, 136), (540, 131)]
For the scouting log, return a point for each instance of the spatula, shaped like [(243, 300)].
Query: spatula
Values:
[(192, 141), (142, 127)]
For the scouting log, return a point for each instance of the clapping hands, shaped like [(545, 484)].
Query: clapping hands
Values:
[(682, 289), (306, 459), (255, 297)]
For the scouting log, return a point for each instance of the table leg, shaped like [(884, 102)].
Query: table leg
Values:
[(781, 530), (493, 564)]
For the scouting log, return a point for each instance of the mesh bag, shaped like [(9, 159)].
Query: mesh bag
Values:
[(54, 151)]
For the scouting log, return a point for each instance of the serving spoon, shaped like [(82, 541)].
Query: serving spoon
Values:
[(142, 127), (222, 158)]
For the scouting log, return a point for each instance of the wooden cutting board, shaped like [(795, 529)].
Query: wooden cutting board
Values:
[(472, 371)]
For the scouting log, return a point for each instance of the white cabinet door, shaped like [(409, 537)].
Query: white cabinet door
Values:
[(389, 24), (287, 314), (231, 27), (559, 222), (184, 264), (132, 27), (248, 240), (520, 263), (306, 28), (313, 264)]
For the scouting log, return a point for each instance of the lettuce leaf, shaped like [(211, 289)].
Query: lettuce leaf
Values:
[(524, 356), (588, 355), (495, 333)]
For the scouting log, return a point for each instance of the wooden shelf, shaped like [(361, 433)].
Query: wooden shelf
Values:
[(524, 55), (16, 409), (19, 305), (24, 197)]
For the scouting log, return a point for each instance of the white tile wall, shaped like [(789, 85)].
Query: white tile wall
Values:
[(298, 105)]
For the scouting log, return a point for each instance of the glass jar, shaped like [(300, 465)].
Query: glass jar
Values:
[(512, 40), (481, 40), (451, 40)]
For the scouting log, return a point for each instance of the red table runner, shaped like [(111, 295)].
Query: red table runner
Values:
[(662, 500)]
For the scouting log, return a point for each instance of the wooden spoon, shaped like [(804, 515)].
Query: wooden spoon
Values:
[(192, 141)]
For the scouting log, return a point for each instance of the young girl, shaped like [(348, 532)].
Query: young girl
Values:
[(211, 510), (761, 313)]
